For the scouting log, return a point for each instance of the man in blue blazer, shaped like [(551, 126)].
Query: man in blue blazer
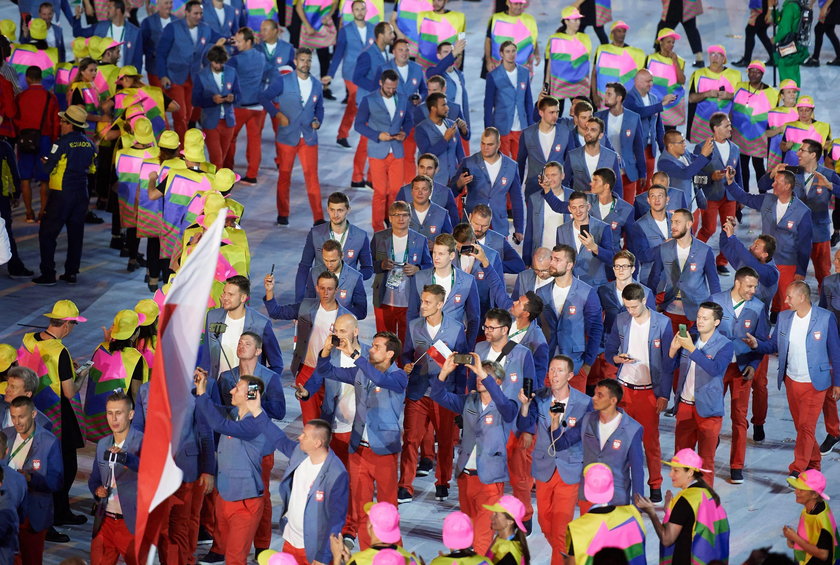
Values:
[(594, 245), (21, 381), (469, 263), (235, 295), (808, 345), (115, 537), (299, 97), (427, 218), (759, 257), (448, 66), (427, 166), (279, 53), (543, 219), (491, 178), (151, 29), (351, 289), (557, 472), (650, 231), (225, 23), (535, 276), (118, 28), (398, 254), (215, 89), (684, 167), (480, 219), (508, 104), (577, 164), (674, 197), (36, 454), (327, 491), (439, 135), (641, 100), (542, 142), (830, 300), (624, 130), (437, 84), (700, 397)]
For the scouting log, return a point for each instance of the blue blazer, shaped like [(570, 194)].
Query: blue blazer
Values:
[(151, 30), (535, 205), (502, 100), (589, 267), (451, 88), (132, 38), (441, 195), (716, 190), (250, 67), (620, 218), (632, 143), (380, 399), (282, 56), (659, 343), (368, 70), (177, 56), (350, 292), (676, 200), (226, 27), (567, 462), (416, 83), (577, 173), (285, 91), (421, 112), (511, 261), (485, 429), (355, 246), (46, 471), (697, 280), (382, 248), (125, 475), (518, 366), (711, 362), (818, 199), (59, 42), (373, 118), (682, 175), (417, 343), (205, 87), (577, 330), (327, 502), (525, 281), (332, 388), (653, 127), (794, 234), (531, 153), (482, 279), (481, 191), (753, 320), (347, 49), (449, 153), (273, 400), (435, 223), (822, 345), (613, 305), (255, 321), (645, 245), (739, 256), (461, 303)]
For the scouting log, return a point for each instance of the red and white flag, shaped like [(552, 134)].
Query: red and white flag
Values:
[(170, 399), (439, 351)]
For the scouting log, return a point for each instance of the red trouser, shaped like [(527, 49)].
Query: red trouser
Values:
[(676, 320), (805, 403), (217, 141), (832, 421), (409, 164), (299, 553), (180, 536), (510, 144), (309, 163), (821, 258), (236, 524), (786, 275), (472, 496), (112, 541), (349, 110), (759, 393), (519, 469), (367, 468), (207, 515), (310, 408), (182, 94), (694, 431), (340, 444), (650, 165), (722, 208), (154, 80), (359, 159), (555, 509), (427, 446), (601, 369), (739, 390), (629, 188), (641, 406), (386, 175), (253, 122), (392, 319), (262, 538), (31, 545), (418, 414)]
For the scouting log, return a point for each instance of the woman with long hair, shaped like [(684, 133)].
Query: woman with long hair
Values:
[(510, 546)]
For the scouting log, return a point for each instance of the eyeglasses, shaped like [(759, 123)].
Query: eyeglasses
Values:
[(485, 327), (622, 267), (399, 215)]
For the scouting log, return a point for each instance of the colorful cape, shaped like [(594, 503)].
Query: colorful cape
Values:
[(569, 66), (665, 82)]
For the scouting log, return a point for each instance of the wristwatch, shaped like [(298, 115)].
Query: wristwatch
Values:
[(355, 354)]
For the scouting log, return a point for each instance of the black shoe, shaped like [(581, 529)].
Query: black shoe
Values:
[(44, 280), (349, 542), (116, 243), (404, 496), (828, 444), (204, 536), (319, 222), (441, 492), (722, 270), (834, 62), (835, 238), (20, 273), (698, 64), (736, 476), (91, 218), (811, 62), (132, 265), (71, 520), (655, 495), (359, 184), (212, 557), (671, 412), (343, 142), (328, 95), (529, 526), (69, 279), (758, 432), (282, 220), (57, 537), (425, 467), (792, 475), (248, 180), (742, 62)]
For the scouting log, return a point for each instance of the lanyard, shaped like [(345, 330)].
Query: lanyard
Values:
[(516, 333), (343, 234), (809, 179), (405, 255), (738, 305), (17, 450)]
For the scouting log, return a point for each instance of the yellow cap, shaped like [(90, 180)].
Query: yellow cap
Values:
[(147, 311), (65, 310), (81, 48), (570, 13), (194, 146), (125, 324), (8, 355), (8, 29), (128, 71), (224, 179), (98, 46), (169, 140), (143, 132), (667, 32), (38, 28), (213, 204)]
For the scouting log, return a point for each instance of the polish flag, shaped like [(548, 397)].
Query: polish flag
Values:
[(179, 333), (439, 351)]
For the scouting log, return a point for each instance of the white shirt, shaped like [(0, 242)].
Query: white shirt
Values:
[(614, 131), (646, 99), (432, 330), (591, 162), (398, 296), (322, 326), (165, 22), (230, 340), (605, 209), (517, 119), (797, 354), (578, 242), (559, 294), (220, 14), (50, 36), (467, 262), (421, 215), (724, 149), (269, 48), (305, 86), (194, 35), (20, 457), (606, 430), (445, 282), (546, 141), (493, 169), (305, 476), (638, 373), (114, 505), (117, 33), (403, 71), (441, 127), (551, 221), (738, 309), (538, 282), (390, 105), (362, 32), (400, 244), (682, 255), (688, 388), (345, 410), (218, 78), (459, 93), (781, 209), (663, 227)]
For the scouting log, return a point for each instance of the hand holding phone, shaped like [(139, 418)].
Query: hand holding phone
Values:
[(683, 330)]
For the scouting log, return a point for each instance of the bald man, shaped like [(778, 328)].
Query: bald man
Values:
[(536, 276)]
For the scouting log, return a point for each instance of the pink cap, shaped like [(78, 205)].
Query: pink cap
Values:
[(619, 24), (805, 102), (717, 48), (457, 531), (687, 458), (511, 506), (810, 480), (598, 483), (389, 557), (282, 558), (385, 520), (756, 64)]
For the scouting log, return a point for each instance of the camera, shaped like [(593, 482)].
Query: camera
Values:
[(111, 457), (253, 389), (463, 359), (467, 249), (217, 328), (700, 179), (557, 408), (336, 341)]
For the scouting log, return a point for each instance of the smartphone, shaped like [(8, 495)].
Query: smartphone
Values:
[(336, 341), (272, 269), (467, 249), (462, 36), (546, 88), (795, 169), (683, 330), (253, 388), (84, 367), (463, 359), (528, 387), (584, 229), (467, 171)]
